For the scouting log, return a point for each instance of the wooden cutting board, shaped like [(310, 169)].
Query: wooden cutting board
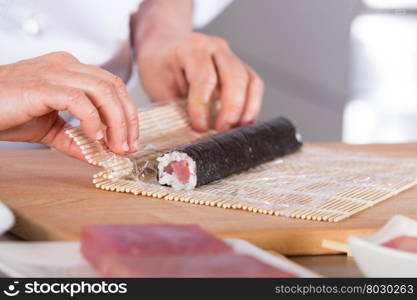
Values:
[(53, 198)]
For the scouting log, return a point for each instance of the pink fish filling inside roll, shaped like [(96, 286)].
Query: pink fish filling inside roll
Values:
[(180, 169)]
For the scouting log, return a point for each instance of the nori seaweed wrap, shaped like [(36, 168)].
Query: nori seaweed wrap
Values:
[(227, 153)]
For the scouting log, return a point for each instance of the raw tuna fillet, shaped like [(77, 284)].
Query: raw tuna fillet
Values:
[(404, 243), (220, 265), (98, 241)]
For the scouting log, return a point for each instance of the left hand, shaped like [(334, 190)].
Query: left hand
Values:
[(200, 67)]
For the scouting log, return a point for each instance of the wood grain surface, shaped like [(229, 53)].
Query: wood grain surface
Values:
[(53, 198)]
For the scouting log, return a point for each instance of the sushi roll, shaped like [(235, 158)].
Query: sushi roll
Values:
[(228, 153)]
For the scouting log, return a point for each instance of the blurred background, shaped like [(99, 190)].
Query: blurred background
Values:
[(301, 50), (340, 70)]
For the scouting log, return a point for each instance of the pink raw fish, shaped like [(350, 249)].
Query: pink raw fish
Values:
[(98, 241), (404, 243), (220, 265)]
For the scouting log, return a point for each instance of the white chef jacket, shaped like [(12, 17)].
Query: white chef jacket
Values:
[(94, 31), (383, 99)]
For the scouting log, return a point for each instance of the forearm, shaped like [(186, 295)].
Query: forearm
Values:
[(161, 17)]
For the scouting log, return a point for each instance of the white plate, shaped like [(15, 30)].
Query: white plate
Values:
[(63, 259), (6, 218), (375, 260)]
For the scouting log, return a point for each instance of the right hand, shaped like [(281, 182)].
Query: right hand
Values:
[(33, 91)]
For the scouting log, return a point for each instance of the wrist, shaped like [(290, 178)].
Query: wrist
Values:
[(159, 20)]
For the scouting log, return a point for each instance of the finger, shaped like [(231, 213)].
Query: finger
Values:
[(65, 144), (180, 80), (202, 79), (58, 139), (163, 89), (107, 101), (31, 131), (47, 98), (234, 80), (130, 111), (253, 98)]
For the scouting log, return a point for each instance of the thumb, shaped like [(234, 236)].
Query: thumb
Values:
[(159, 85), (58, 139)]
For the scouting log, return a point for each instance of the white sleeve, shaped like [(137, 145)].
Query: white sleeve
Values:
[(206, 10)]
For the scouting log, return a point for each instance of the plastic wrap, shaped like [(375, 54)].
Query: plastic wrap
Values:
[(314, 184)]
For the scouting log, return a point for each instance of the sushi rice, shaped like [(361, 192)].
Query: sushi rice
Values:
[(171, 179)]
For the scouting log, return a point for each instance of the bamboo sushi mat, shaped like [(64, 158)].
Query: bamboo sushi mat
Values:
[(313, 184)]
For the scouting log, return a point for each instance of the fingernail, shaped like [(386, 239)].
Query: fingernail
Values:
[(204, 125), (136, 146), (125, 147), (100, 135)]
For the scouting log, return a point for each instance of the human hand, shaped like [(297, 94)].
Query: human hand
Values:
[(200, 67), (33, 91)]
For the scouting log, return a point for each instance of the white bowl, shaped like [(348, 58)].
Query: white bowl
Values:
[(6, 218), (375, 260)]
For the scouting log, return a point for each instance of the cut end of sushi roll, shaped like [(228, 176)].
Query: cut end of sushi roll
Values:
[(178, 170)]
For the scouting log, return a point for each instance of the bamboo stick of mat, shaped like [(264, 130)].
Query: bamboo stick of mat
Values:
[(314, 184)]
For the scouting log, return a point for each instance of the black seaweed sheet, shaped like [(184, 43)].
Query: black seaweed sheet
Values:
[(238, 150)]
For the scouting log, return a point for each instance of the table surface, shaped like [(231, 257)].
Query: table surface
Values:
[(53, 198), (34, 171)]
